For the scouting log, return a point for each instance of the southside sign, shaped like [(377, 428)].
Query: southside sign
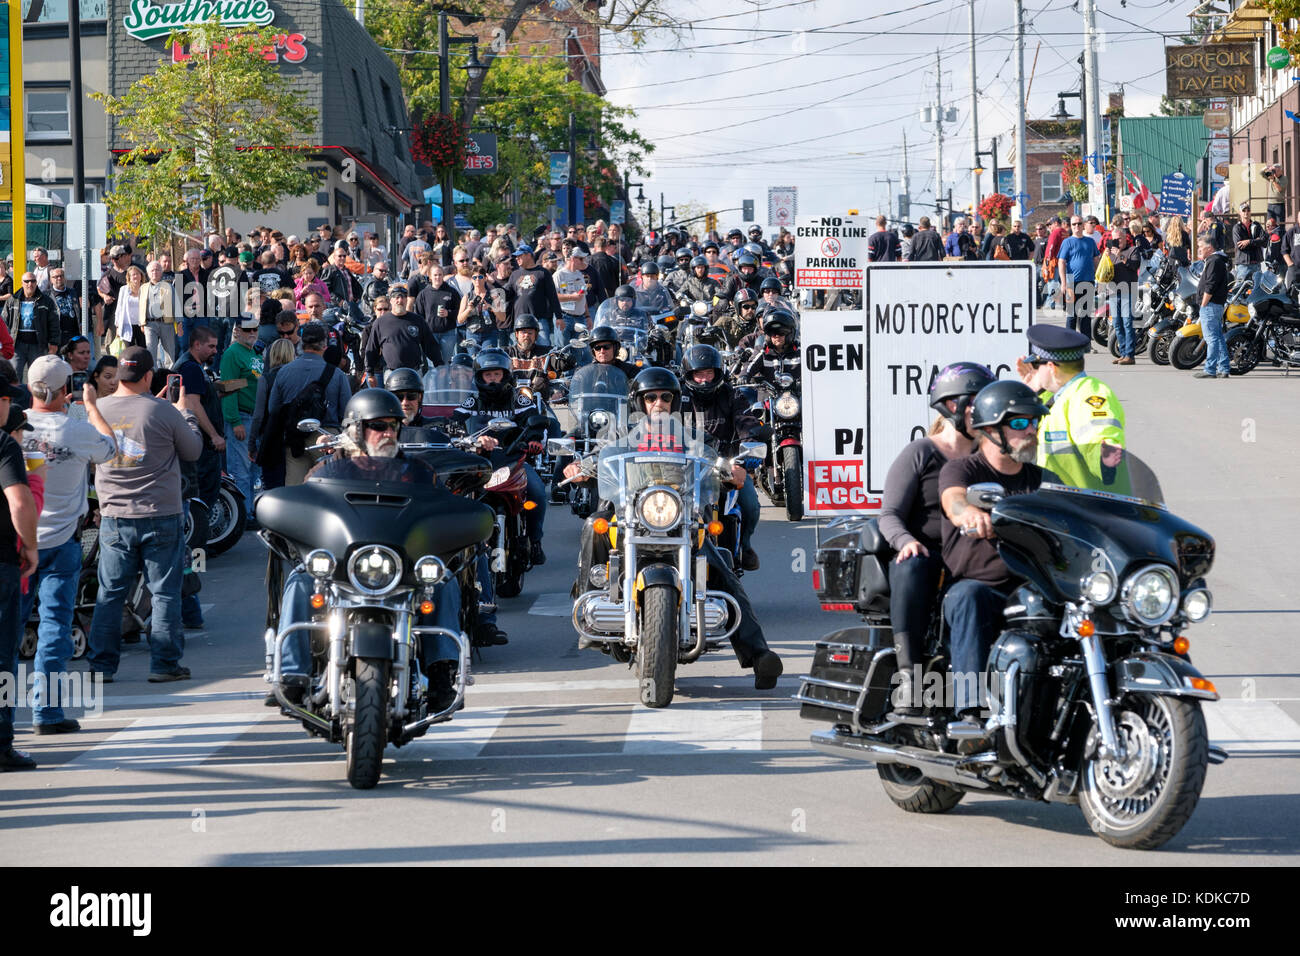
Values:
[(145, 21)]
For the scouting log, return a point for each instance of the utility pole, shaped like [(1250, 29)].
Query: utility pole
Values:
[(889, 197), (1096, 198), (938, 138), (444, 107), (1022, 171), (905, 185), (974, 114)]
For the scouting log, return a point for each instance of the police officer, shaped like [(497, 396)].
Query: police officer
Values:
[(656, 393), (1082, 438)]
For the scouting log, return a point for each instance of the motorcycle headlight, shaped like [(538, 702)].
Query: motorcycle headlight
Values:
[(430, 570), (1150, 596), (1197, 604), (497, 476), (787, 406), (375, 570), (660, 509), (320, 564), (1179, 302), (1099, 587), (598, 419)]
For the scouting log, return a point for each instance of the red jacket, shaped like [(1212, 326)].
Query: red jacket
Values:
[(6, 341)]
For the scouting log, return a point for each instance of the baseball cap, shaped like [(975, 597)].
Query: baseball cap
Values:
[(246, 256), (398, 287), (578, 251), (250, 321), (134, 364), (116, 251), (551, 257), (17, 419), (50, 371), (313, 333), (524, 249)]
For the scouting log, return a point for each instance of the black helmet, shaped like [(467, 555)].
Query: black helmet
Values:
[(527, 321), (735, 234), (463, 359), (699, 261), (371, 404), (649, 268), (602, 333), (1001, 401), (656, 379), (755, 231), (666, 264), (745, 259), (711, 245), (743, 296), (701, 357), (961, 381), (683, 253), (403, 380), (770, 284), (486, 360), (779, 322)]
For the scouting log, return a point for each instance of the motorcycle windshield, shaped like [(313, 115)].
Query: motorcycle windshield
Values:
[(598, 399), (660, 451), (366, 468), (448, 385), (608, 314)]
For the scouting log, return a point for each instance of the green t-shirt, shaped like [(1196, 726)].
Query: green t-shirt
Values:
[(239, 361)]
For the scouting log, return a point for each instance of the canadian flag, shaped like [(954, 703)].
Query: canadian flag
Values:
[(1141, 195)]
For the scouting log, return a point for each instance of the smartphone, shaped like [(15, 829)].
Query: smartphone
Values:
[(79, 380), (173, 388)]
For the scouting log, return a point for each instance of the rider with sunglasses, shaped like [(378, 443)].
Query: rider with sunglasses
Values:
[(604, 349)]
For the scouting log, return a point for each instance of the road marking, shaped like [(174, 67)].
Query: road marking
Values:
[(168, 740), (692, 726), (553, 604), (1248, 726), (461, 739)]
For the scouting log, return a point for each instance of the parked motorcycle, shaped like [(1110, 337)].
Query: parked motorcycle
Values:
[(1093, 697), (227, 517), (1272, 333), (649, 602), (376, 538)]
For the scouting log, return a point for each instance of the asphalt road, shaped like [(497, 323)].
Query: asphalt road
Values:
[(554, 761)]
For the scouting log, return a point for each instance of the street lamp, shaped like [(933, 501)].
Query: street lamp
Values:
[(592, 151)]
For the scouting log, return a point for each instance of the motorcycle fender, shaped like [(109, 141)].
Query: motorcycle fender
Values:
[(1156, 673), (786, 442), (655, 575), (1189, 330), (372, 639)]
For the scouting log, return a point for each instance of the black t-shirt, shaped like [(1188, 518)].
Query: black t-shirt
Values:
[(911, 508), (1019, 245), (882, 246), (534, 293), (966, 555), (270, 279), (13, 471), (430, 300)]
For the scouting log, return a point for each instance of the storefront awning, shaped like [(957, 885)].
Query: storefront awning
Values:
[(434, 194)]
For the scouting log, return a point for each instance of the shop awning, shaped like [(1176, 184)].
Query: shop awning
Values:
[(434, 194)]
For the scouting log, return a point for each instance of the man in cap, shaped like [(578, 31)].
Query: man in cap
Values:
[(69, 446), (306, 388), (532, 292), (241, 362), (141, 526), (1082, 437)]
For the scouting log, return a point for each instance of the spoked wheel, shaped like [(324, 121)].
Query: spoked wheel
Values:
[(914, 792), (1160, 346), (1243, 354), (1100, 329), (227, 519), (1143, 800)]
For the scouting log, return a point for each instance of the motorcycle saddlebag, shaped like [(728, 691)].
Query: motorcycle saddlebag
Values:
[(852, 568), (844, 663)]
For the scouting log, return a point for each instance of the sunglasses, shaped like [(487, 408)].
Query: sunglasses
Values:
[(663, 397), (749, 305), (479, 275), (381, 428), (1021, 424), (603, 347), (410, 396)]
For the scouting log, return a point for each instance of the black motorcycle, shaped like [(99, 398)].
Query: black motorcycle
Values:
[(377, 538), (1273, 332), (1092, 696), (781, 474)]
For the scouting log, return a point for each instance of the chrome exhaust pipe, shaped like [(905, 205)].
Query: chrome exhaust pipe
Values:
[(944, 768)]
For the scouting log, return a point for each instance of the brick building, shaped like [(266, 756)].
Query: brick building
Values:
[(1047, 143)]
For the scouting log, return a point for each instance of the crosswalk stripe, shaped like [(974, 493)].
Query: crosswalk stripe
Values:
[(1251, 726), (692, 726), (461, 739), (166, 740)]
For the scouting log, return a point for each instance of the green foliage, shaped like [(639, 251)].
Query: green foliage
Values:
[(214, 130)]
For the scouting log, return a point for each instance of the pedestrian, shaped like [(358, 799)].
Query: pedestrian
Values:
[(160, 316), (309, 282), (992, 247), (1019, 244), (241, 363), (960, 244), (883, 245), (438, 306), (33, 324), (1082, 438), (1247, 239), (396, 340), (1127, 258), (1077, 268), (306, 388), (18, 560), (573, 287), (192, 284), (926, 244), (68, 303), (265, 447), (1213, 293), (141, 525), (1176, 242), (68, 446)]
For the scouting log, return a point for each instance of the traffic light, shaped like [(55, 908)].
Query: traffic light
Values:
[(748, 213), (711, 221)]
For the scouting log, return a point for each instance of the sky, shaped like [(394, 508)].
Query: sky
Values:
[(819, 94)]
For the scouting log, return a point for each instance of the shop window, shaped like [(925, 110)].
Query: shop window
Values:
[(56, 11), (1050, 183), (47, 115)]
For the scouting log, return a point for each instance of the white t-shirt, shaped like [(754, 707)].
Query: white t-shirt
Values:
[(566, 283), (70, 446)]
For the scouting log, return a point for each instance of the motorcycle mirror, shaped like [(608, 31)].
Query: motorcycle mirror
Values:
[(500, 425), (309, 425), (785, 381), (985, 495), (580, 331), (536, 421), (753, 449), (560, 446)]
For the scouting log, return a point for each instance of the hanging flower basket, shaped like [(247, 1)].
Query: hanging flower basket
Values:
[(439, 142), (1074, 178), (995, 207)]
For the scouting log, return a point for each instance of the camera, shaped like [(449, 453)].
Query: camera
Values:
[(1269, 172)]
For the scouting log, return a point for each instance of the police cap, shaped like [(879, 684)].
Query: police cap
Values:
[(1051, 343)]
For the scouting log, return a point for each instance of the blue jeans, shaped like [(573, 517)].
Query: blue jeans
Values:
[(447, 344), (496, 338), (242, 470), (126, 547), (912, 588), (487, 588), (973, 610), (749, 511), (295, 608), (11, 629), (1216, 347), (1121, 315), (537, 492), (55, 581)]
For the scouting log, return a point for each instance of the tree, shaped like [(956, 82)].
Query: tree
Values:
[(220, 128)]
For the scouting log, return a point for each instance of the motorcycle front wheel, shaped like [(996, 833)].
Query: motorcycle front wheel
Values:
[(792, 475), (1187, 353), (656, 652), (228, 516), (1160, 346), (1243, 354), (365, 738), (1141, 802), (1100, 329), (914, 792)]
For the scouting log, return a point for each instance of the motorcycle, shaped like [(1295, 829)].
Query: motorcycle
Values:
[(1150, 308), (376, 539), (649, 603), (598, 400), (1093, 698), (227, 517), (1273, 331), (1188, 348), (781, 474)]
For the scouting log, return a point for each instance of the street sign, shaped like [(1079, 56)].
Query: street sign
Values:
[(617, 211), (830, 252), (480, 154), (1176, 194), (1126, 202), (559, 169), (834, 420), (1278, 58), (747, 210), (87, 225), (782, 205), (1217, 115), (919, 318)]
